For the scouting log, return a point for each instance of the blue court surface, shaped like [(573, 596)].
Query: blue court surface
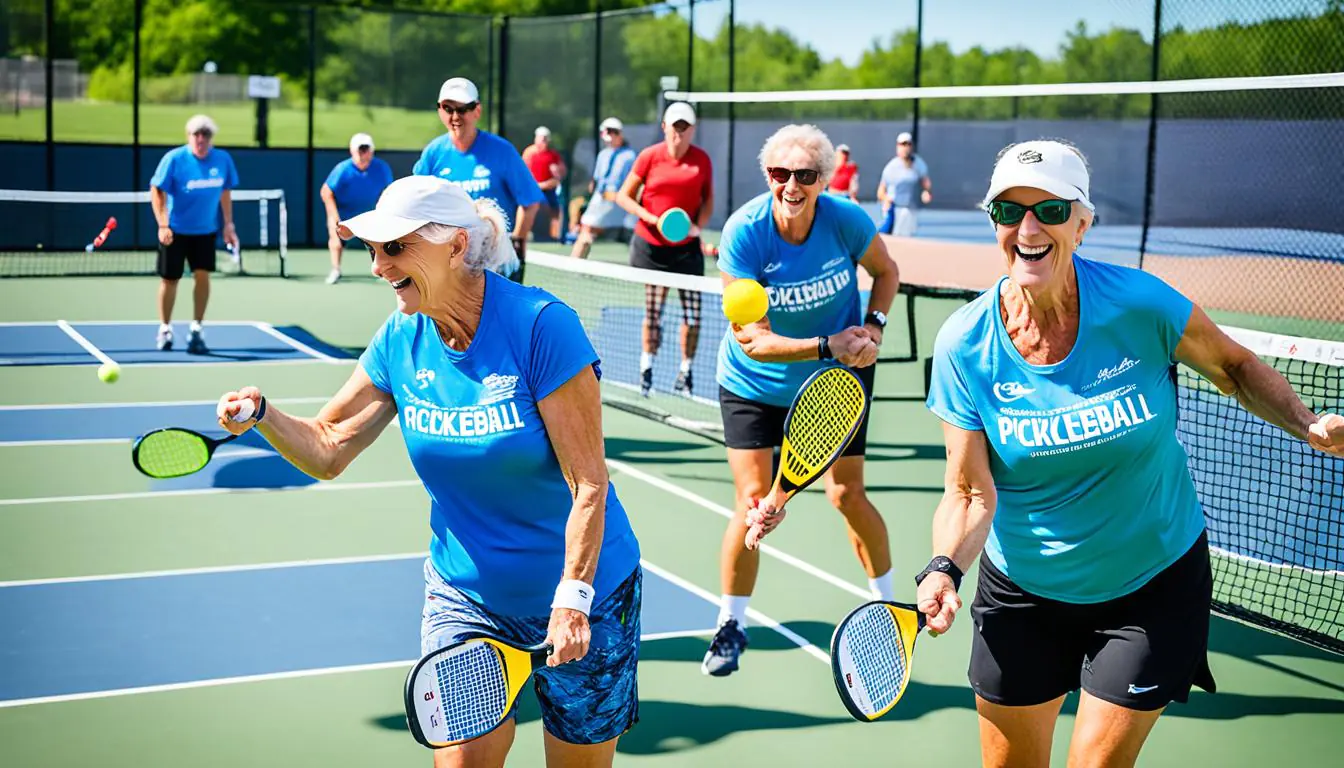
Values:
[(132, 343), (74, 637)]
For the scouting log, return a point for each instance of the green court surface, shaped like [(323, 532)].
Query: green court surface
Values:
[(79, 510)]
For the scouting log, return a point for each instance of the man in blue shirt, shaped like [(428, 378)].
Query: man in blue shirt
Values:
[(485, 165), (188, 191), (352, 188), (900, 178), (613, 165)]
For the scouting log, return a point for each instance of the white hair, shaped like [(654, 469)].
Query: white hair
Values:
[(489, 245), (810, 138), (197, 122)]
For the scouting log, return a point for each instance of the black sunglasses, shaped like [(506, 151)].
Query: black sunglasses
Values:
[(203, 132), (391, 248), (1048, 212), (806, 176), (462, 110), (363, 148)]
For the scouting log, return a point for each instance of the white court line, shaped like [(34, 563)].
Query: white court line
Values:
[(85, 343), (767, 549), (200, 364), (270, 330), (404, 663), (155, 323), (319, 486), (158, 404), (356, 560), (44, 443), (752, 613)]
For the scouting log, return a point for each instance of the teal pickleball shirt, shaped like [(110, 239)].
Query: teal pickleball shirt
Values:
[(1094, 492)]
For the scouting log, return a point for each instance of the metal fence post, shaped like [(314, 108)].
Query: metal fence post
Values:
[(312, 103), (1151, 170)]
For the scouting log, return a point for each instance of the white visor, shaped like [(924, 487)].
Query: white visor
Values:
[(410, 203)]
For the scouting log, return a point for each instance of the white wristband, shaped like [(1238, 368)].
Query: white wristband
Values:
[(575, 594)]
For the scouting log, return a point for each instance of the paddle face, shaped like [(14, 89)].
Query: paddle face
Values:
[(173, 452), (821, 422), (675, 225), (465, 690), (871, 654)]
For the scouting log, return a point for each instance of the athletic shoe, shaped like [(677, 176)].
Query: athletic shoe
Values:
[(164, 341), (196, 344), (724, 650)]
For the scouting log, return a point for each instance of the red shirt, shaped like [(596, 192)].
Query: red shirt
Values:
[(672, 183), (843, 175), (539, 162)]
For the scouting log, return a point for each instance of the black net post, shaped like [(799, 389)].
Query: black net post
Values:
[(49, 33), (139, 19), (919, 49), (1152, 132), (732, 58), (503, 73)]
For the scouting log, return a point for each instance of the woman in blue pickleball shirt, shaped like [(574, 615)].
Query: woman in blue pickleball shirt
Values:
[(495, 387), (1059, 406), (805, 247)]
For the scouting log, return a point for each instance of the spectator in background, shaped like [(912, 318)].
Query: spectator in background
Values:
[(845, 182), (903, 175), (613, 165), (674, 173), (548, 168), (484, 164), (352, 188), (192, 182)]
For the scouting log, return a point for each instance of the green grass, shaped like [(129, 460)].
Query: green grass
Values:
[(107, 123)]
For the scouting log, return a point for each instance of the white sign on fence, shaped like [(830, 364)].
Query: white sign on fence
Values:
[(263, 87)]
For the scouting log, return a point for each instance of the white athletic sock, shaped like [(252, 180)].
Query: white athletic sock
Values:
[(196, 325), (685, 365), (881, 587), (645, 361), (165, 328), (733, 607)]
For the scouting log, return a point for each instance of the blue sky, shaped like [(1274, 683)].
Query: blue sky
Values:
[(844, 28)]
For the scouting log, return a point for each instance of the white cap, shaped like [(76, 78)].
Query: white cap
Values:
[(679, 110), (199, 122), (842, 148), (410, 203), (459, 89), (904, 137), (1045, 165), (359, 140), (611, 124), (542, 131)]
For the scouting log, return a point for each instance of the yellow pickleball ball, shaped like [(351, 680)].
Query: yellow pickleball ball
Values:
[(745, 301), (109, 372)]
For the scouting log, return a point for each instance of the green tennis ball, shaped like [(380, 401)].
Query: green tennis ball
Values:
[(109, 372)]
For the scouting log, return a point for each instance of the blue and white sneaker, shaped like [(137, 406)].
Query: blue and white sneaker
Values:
[(724, 650)]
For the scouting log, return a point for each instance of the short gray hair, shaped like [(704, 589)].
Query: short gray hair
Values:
[(197, 122), (810, 138), (489, 245)]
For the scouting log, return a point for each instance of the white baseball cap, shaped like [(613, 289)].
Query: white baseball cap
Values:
[(361, 139), (410, 203), (904, 137), (611, 124), (542, 131), (1045, 165), (679, 110), (459, 89), (842, 148)]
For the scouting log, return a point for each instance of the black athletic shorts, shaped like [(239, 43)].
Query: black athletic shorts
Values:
[(749, 424), (1141, 651), (685, 259), (198, 251)]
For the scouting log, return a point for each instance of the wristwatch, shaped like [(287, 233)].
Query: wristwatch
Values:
[(941, 564), (824, 348), (876, 318)]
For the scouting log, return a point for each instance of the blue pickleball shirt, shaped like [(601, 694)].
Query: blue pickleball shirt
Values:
[(612, 166), (491, 168), (358, 191), (813, 288), (1094, 494), (499, 502), (194, 186)]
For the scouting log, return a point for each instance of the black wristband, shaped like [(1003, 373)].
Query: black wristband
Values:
[(941, 564), (824, 348), (261, 412)]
